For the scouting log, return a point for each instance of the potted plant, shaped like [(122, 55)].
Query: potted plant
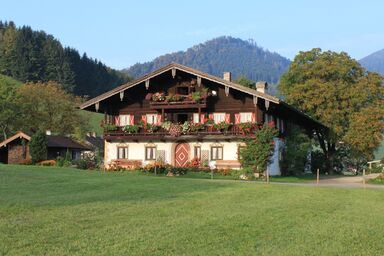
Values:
[(131, 128), (222, 126), (209, 123), (196, 96)]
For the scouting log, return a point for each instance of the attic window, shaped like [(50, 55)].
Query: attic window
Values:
[(182, 90)]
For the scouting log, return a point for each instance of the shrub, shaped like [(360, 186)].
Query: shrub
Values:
[(258, 151), (38, 147), (47, 163)]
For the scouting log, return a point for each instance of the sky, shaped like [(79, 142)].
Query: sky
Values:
[(122, 33)]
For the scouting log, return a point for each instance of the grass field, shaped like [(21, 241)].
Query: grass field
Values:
[(63, 211)]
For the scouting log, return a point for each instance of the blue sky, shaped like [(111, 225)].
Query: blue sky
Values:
[(121, 33)]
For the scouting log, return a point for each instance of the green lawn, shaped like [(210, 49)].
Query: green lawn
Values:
[(63, 211)]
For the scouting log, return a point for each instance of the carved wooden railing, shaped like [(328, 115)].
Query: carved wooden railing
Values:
[(206, 130)]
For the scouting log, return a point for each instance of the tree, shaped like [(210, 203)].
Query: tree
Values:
[(244, 81), (297, 147), (9, 111), (334, 89), (38, 147), (258, 151), (46, 106)]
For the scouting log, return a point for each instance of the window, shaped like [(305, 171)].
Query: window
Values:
[(183, 90), (122, 152), (126, 120), (216, 153), (151, 118), (218, 117), (239, 149), (197, 152), (196, 118), (150, 153), (245, 117)]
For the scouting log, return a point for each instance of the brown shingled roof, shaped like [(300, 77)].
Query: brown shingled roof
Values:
[(55, 141)]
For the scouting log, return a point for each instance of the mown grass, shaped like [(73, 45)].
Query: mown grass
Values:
[(63, 211)]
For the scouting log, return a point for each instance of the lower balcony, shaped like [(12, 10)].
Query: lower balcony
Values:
[(181, 131)]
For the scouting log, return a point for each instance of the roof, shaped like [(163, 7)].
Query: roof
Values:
[(18, 135), (55, 141), (198, 73), (97, 142), (186, 69)]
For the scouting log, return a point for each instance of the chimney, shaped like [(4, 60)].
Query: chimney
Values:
[(227, 76), (48, 132), (262, 86)]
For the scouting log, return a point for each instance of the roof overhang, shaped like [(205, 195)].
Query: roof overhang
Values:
[(174, 67), (19, 135)]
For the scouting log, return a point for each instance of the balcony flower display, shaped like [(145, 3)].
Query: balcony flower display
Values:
[(158, 97), (131, 128), (222, 126), (196, 127), (246, 128)]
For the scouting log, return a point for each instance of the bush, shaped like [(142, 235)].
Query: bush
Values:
[(47, 163), (87, 162), (258, 151), (38, 147), (62, 162)]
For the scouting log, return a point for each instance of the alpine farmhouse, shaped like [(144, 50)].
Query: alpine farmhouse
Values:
[(177, 114)]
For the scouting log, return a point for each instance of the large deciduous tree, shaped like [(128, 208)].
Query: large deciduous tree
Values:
[(336, 90), (46, 106)]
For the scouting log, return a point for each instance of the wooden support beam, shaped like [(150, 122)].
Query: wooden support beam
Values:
[(255, 100), (266, 104), (147, 84), (173, 72), (226, 91), (198, 81), (97, 105), (121, 95)]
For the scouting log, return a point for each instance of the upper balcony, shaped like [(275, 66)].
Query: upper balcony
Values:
[(188, 130), (194, 100)]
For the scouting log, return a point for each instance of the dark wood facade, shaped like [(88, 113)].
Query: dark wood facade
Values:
[(229, 98)]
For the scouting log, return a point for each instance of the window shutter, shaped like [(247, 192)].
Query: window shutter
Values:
[(202, 117), (117, 120), (237, 118), (253, 118), (131, 119), (227, 118), (144, 119), (158, 121), (210, 116)]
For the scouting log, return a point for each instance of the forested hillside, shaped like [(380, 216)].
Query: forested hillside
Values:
[(223, 54), (28, 55)]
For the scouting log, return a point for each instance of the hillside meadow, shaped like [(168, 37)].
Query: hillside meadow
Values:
[(64, 211)]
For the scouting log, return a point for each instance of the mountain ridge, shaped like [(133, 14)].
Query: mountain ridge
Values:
[(215, 56), (374, 61)]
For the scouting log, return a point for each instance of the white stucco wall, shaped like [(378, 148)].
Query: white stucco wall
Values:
[(136, 151)]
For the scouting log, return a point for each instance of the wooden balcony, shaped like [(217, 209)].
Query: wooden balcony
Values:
[(234, 132), (178, 104)]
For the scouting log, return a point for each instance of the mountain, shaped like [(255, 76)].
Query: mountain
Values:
[(28, 55), (242, 58), (374, 62)]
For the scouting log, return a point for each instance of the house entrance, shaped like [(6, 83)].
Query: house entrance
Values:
[(181, 154)]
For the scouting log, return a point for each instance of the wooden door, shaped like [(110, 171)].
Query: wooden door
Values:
[(181, 154)]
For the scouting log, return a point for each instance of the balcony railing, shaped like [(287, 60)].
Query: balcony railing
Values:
[(177, 104), (233, 130)]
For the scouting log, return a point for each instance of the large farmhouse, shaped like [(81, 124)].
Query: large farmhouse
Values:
[(177, 114)]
